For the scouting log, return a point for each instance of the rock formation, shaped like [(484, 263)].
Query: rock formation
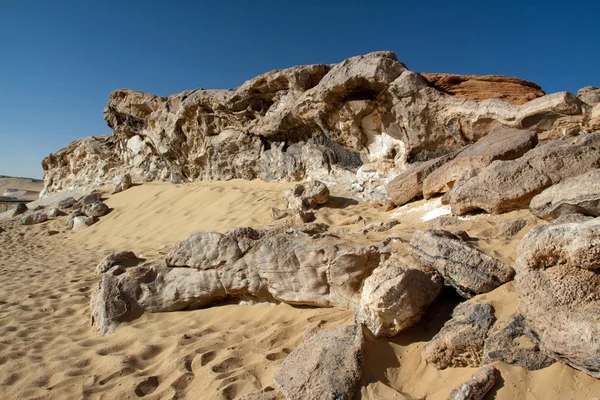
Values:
[(463, 266), (475, 87), (356, 123), (327, 365), (579, 194), (558, 282)]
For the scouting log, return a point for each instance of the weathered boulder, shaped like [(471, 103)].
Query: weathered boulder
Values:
[(511, 342), (124, 258), (55, 212), (124, 183), (291, 265), (589, 95), (87, 199), (558, 283), (34, 218), (66, 203), (464, 267), (409, 184), (396, 296), (20, 208), (509, 185), (327, 365), (511, 228), (476, 87), (461, 340), (306, 195), (95, 209), (481, 382), (80, 222), (500, 144), (579, 194)]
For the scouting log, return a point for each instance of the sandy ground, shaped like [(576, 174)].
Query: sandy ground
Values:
[(49, 350)]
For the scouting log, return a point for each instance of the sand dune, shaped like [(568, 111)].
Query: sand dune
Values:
[(48, 348)]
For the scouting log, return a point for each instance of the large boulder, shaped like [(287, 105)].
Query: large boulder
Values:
[(461, 340), (576, 195), (124, 258), (327, 365), (463, 266), (500, 144), (558, 283), (291, 265), (396, 296), (475, 87), (509, 185), (480, 383), (589, 95)]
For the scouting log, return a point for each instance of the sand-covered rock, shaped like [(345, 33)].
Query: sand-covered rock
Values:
[(558, 282), (480, 383), (500, 144), (307, 195), (461, 340), (327, 365), (511, 342), (476, 87), (396, 296), (577, 195), (509, 185), (463, 266)]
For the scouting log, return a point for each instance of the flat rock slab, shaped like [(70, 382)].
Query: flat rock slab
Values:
[(558, 283), (579, 194), (463, 266), (327, 365)]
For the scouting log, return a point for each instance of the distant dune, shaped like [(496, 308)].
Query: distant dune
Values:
[(20, 188)]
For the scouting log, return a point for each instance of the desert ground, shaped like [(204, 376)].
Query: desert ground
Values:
[(49, 350)]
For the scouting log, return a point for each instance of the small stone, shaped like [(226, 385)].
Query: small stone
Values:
[(477, 387), (96, 209), (32, 219)]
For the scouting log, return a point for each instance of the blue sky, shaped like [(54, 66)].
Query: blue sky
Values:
[(59, 60)]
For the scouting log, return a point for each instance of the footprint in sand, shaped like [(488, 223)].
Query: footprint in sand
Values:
[(147, 386)]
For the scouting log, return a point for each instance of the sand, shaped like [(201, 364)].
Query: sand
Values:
[(49, 350)]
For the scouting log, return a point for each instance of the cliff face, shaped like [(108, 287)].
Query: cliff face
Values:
[(356, 123)]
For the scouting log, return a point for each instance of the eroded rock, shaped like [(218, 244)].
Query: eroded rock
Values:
[(66, 203), (122, 257), (327, 365), (20, 208), (124, 183), (460, 341), (511, 228), (558, 283), (34, 218), (463, 266), (79, 223), (589, 95), (480, 383), (307, 195), (95, 209)]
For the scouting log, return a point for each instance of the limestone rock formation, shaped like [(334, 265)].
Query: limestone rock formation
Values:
[(124, 258), (477, 386), (355, 123), (460, 341), (463, 266), (589, 95), (306, 195), (579, 194), (475, 87), (558, 282), (508, 185), (396, 296), (511, 342), (34, 218), (500, 144), (292, 265), (327, 365)]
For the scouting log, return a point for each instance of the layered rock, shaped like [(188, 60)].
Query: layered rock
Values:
[(558, 282), (396, 296), (508, 185), (284, 264), (475, 87), (500, 144), (576, 195), (463, 266), (357, 123), (327, 365), (461, 340)]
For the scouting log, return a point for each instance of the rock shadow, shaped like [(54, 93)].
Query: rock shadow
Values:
[(339, 202)]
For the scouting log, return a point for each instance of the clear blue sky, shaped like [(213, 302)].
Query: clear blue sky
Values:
[(59, 60)]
